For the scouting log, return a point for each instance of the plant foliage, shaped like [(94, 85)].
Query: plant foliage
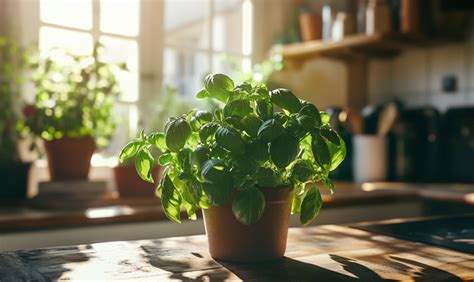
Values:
[(245, 145), (75, 95), (13, 61)]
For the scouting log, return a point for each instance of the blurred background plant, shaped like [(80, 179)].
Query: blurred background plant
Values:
[(74, 97), (260, 73), (13, 61)]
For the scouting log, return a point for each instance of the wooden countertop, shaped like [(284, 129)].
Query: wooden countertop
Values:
[(26, 216), (324, 253)]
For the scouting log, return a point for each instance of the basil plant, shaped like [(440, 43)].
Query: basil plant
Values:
[(258, 139)]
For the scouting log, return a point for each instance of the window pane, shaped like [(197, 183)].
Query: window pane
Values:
[(120, 16), (119, 50), (76, 42), (185, 71), (227, 26), (231, 65), (127, 115), (70, 13), (187, 23)]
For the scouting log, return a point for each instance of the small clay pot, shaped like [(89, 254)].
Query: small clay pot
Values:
[(14, 178), (69, 158), (129, 184), (231, 240)]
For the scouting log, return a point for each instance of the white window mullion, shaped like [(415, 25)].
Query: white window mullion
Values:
[(95, 20), (211, 35)]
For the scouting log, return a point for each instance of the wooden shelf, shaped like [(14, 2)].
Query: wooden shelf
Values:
[(375, 45)]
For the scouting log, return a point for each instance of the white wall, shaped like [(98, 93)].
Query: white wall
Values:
[(416, 76)]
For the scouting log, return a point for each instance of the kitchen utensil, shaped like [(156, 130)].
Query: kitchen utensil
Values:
[(417, 146), (387, 118), (352, 121), (369, 160)]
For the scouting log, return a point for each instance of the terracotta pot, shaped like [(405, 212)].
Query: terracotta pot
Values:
[(129, 184), (14, 179), (231, 240), (69, 158)]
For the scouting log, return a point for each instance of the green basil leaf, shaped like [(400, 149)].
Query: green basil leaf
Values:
[(269, 130), (283, 150), (130, 150), (215, 171), (248, 206), (337, 153), (219, 86), (203, 116), (203, 94), (239, 108), (257, 150), (158, 140), (177, 133), (320, 151), (144, 164), (264, 109), (230, 139), (184, 158), (165, 159), (207, 130), (236, 122), (330, 135), (245, 87), (266, 177), (311, 206), (200, 155), (171, 200), (306, 122), (284, 99), (218, 193), (244, 164), (308, 109), (302, 171), (325, 118), (251, 124)]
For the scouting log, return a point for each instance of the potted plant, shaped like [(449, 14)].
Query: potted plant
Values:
[(246, 165), (73, 108), (13, 172)]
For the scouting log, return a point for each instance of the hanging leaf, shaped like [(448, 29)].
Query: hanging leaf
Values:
[(170, 199), (144, 164), (207, 130), (200, 155), (249, 205), (330, 135), (266, 177), (158, 140), (283, 150), (320, 151), (257, 150), (310, 206), (264, 109)]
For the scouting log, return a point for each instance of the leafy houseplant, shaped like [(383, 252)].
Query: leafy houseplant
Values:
[(246, 165), (14, 173), (73, 109)]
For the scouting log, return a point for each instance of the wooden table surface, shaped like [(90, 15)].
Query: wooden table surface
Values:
[(325, 253), (24, 216)]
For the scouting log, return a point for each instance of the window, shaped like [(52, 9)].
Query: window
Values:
[(203, 36), (177, 44), (77, 24)]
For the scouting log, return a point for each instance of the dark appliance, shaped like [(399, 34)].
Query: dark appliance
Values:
[(458, 146)]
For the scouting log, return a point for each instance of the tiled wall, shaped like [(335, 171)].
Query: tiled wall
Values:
[(416, 76)]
